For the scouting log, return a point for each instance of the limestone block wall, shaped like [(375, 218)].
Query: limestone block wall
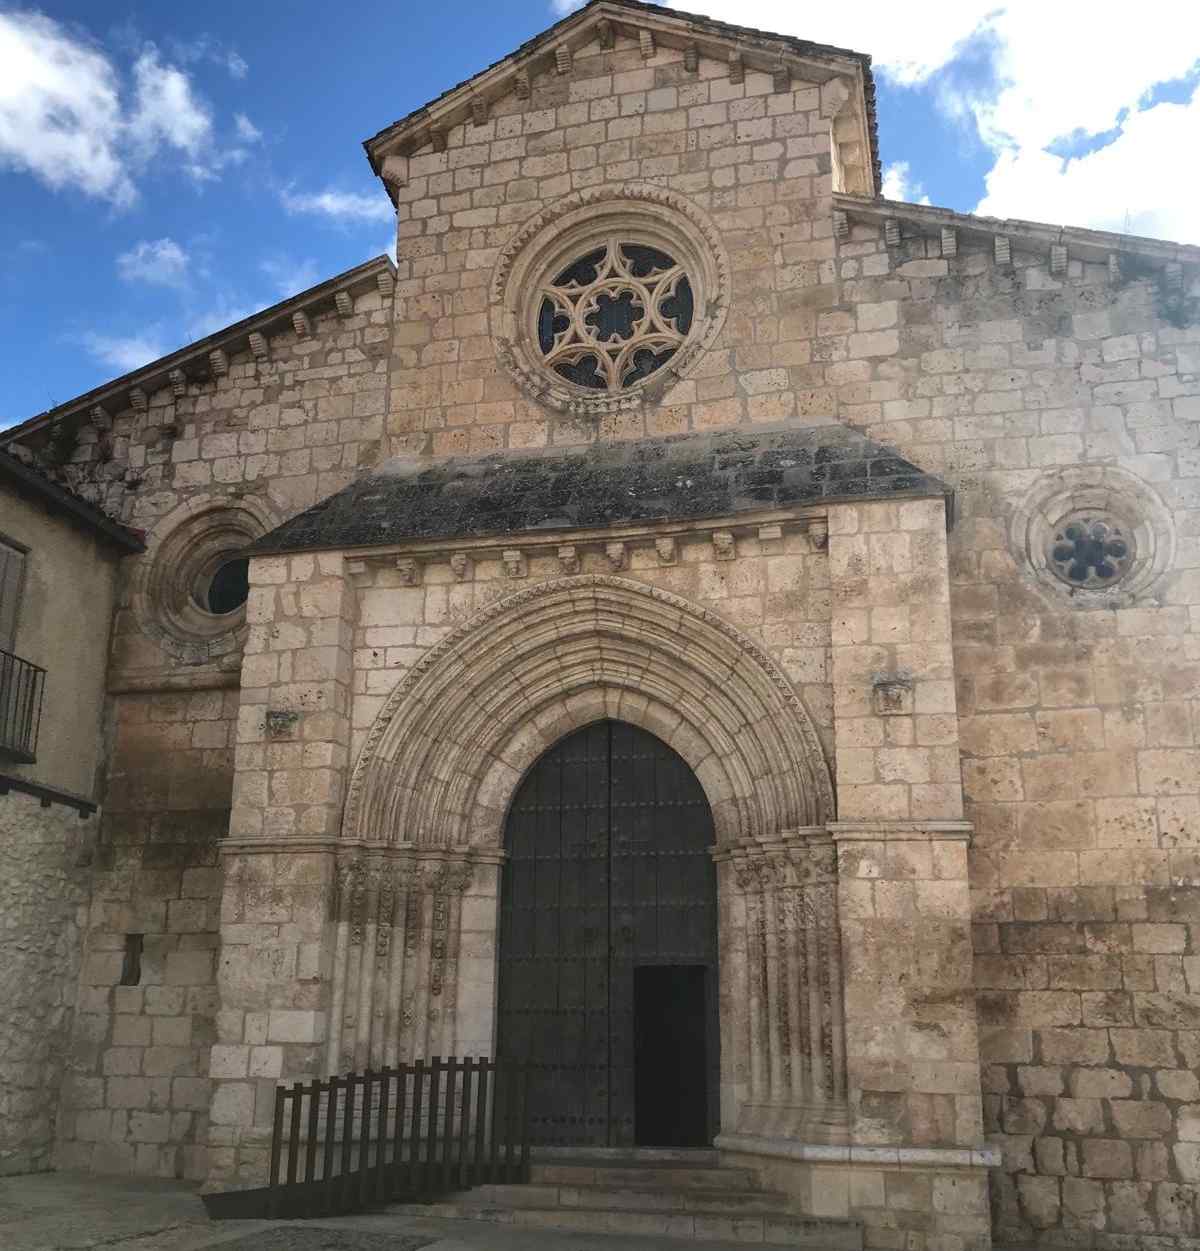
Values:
[(1077, 717), (44, 871), (754, 158)]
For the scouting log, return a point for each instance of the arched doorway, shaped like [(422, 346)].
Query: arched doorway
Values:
[(608, 943)]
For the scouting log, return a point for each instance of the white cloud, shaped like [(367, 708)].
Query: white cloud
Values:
[(247, 131), (236, 65), (161, 261), (899, 184), (341, 206), (69, 118), (124, 354), (1052, 78), (560, 8)]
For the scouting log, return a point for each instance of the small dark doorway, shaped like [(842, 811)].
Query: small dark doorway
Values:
[(608, 944), (669, 1027)]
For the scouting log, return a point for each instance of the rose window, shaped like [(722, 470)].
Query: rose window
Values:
[(1090, 551), (614, 316)]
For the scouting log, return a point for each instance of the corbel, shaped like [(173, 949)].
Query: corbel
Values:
[(646, 43), (386, 284), (394, 170), (514, 563), (479, 110), (437, 139), (723, 545), (1058, 258), (737, 68), (691, 58), (891, 233), (1002, 250), (460, 565), (568, 558), (218, 362), (138, 400), (99, 417), (1114, 268), (949, 242), (781, 78), (357, 570), (178, 381), (409, 571), (841, 225), (301, 324), (666, 550), (1173, 276), (562, 59), (818, 533), (606, 35), (344, 303), (259, 348), (891, 695), (770, 538), (521, 84), (616, 553)]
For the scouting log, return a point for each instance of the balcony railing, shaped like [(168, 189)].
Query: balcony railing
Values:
[(21, 688)]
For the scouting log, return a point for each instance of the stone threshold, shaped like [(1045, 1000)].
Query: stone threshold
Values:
[(986, 1156)]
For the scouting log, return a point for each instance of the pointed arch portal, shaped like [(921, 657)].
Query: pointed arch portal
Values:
[(608, 943)]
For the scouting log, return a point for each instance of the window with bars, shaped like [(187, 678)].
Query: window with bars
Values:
[(21, 683)]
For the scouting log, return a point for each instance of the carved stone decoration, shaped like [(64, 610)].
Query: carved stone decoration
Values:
[(479, 110), (617, 554), (891, 233), (218, 362), (665, 549), (770, 539), (781, 79), (1002, 250), (258, 346), (460, 565), (385, 993), (605, 35), (1114, 268), (949, 242), (568, 558), (178, 380), (691, 58), (724, 547), (344, 303), (138, 400), (409, 571), (386, 285), (301, 324), (521, 84), (604, 300), (818, 533), (841, 225), (1058, 259), (796, 1028), (562, 59), (606, 634), (646, 43), (437, 139), (100, 418), (514, 563), (737, 68)]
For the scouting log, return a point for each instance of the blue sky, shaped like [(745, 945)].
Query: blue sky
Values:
[(166, 169)]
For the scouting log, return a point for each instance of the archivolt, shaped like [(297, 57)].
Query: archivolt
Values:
[(448, 748)]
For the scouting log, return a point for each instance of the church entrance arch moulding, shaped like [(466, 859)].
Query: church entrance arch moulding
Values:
[(421, 845)]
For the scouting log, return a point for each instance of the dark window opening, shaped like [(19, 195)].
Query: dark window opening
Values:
[(228, 587), (131, 965)]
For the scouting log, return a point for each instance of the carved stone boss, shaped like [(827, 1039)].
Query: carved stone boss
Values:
[(794, 1018), (396, 915)]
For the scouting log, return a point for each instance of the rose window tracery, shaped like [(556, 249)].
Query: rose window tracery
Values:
[(614, 316), (1091, 551)]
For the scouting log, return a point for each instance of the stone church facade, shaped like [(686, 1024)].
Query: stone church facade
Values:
[(882, 521)]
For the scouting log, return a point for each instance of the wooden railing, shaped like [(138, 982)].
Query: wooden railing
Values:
[(387, 1135)]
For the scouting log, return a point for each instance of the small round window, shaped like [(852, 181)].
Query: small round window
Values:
[(614, 316), (1090, 550), (224, 586)]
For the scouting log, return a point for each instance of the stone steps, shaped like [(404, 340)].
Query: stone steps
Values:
[(686, 1199)]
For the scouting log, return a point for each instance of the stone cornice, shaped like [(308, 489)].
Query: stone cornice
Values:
[(247, 845), (984, 1156), (208, 358), (552, 52), (1038, 237), (900, 831)]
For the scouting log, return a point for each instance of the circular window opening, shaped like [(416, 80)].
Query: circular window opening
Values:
[(614, 316), (224, 586), (1091, 551)]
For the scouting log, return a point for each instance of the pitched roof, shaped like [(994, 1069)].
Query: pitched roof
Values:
[(60, 500), (761, 50), (194, 360), (679, 478)]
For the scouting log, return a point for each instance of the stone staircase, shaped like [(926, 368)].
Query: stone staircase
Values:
[(678, 1194)]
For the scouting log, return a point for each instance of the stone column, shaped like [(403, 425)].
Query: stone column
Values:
[(277, 945)]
